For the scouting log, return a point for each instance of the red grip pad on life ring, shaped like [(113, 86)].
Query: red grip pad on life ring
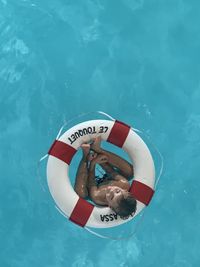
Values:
[(119, 133), (81, 212), (62, 151), (141, 192)]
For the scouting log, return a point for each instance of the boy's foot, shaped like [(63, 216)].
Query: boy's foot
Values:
[(96, 145), (85, 149)]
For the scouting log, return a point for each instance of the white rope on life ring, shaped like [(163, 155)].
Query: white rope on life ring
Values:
[(79, 210)]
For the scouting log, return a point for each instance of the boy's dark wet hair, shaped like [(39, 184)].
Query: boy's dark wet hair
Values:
[(127, 207)]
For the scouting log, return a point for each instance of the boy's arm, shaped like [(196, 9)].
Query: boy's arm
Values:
[(115, 176), (80, 186), (94, 192), (124, 167), (92, 187), (108, 169)]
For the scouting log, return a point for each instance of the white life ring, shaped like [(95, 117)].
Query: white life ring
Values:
[(79, 210)]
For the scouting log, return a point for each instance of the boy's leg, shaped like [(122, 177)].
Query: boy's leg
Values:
[(124, 167), (80, 186)]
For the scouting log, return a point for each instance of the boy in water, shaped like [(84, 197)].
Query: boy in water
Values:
[(114, 190)]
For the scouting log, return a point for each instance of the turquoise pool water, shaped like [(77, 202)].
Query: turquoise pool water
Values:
[(137, 60)]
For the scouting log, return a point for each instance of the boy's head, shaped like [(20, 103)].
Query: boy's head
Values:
[(121, 201)]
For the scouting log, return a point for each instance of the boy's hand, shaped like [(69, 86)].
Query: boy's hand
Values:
[(91, 156)]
